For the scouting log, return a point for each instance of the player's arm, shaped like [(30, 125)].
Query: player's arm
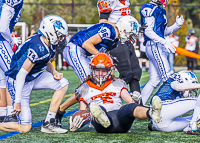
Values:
[(126, 96), (52, 70), (6, 15), (89, 44), (20, 80), (175, 26), (184, 86)]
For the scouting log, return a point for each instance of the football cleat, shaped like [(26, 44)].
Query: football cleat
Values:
[(154, 111), (191, 128), (99, 114), (1, 118), (51, 127), (10, 118)]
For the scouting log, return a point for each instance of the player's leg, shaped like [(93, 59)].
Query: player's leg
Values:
[(60, 87), (75, 56)]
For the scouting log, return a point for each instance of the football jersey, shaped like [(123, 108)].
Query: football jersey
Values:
[(107, 96), (165, 92), (107, 33), (191, 43), (17, 5), (37, 52), (159, 14), (118, 8)]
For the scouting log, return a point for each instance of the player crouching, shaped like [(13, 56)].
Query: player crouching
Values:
[(102, 93)]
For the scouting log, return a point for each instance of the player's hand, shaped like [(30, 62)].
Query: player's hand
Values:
[(17, 109), (58, 76), (179, 20), (170, 48), (16, 40), (76, 123)]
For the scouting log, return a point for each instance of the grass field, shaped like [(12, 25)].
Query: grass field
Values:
[(40, 101)]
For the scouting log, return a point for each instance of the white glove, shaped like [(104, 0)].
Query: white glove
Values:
[(179, 20), (136, 96), (76, 123), (16, 40), (170, 48), (187, 93)]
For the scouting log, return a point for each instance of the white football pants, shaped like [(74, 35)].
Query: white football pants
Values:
[(44, 81), (171, 112), (159, 68), (76, 57)]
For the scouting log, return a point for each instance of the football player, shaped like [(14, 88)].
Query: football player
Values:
[(27, 73), (10, 13), (154, 15), (178, 98), (127, 63), (101, 37), (102, 93)]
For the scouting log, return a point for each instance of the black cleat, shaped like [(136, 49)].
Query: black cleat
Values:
[(10, 118), (1, 118)]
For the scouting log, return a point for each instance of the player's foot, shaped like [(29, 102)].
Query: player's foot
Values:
[(154, 111), (191, 128), (99, 114), (10, 118), (1, 118), (58, 117), (51, 127)]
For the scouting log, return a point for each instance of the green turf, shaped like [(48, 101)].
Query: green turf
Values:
[(138, 132)]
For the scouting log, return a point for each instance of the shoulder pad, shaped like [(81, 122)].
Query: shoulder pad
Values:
[(120, 83), (148, 9), (82, 90)]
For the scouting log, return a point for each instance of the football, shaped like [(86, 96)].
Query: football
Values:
[(83, 113)]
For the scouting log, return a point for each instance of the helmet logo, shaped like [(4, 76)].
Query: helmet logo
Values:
[(134, 25), (58, 24)]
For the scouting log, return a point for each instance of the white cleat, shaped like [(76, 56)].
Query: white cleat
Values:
[(52, 127), (155, 109), (99, 114), (191, 128)]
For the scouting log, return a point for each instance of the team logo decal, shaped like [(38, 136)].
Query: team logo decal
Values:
[(58, 24), (134, 25)]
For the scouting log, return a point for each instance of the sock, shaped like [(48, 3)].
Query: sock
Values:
[(3, 111), (49, 116), (9, 110), (196, 113), (147, 114)]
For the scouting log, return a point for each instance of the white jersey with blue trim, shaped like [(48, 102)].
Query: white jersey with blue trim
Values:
[(107, 33), (10, 14), (37, 52), (159, 21)]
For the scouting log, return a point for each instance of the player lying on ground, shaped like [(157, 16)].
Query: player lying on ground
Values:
[(102, 93), (27, 74), (98, 38), (177, 100)]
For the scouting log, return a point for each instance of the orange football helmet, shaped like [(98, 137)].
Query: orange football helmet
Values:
[(101, 61)]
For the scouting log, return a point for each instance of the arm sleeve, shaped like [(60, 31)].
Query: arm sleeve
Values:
[(20, 80), (184, 86), (6, 16), (150, 21), (171, 29)]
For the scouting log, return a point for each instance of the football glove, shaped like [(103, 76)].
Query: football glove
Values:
[(170, 48), (16, 40), (76, 123), (136, 96), (179, 20)]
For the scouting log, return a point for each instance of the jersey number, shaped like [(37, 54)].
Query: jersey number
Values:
[(102, 4)]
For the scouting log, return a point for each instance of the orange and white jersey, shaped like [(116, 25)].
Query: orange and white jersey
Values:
[(107, 95), (118, 8)]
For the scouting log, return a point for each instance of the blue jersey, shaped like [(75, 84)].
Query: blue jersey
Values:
[(17, 5), (37, 52), (107, 33), (165, 92), (159, 14)]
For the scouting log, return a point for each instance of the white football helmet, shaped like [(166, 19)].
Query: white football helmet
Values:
[(54, 28), (188, 77), (128, 28)]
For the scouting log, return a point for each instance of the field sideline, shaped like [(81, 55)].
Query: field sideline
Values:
[(40, 101)]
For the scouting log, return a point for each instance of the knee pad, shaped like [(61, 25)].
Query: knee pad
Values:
[(61, 83)]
